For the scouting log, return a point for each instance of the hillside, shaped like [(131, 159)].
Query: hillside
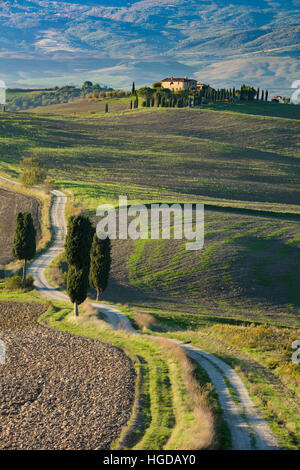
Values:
[(83, 106), (249, 269), (170, 154), (22, 99), (115, 42), (10, 205), (237, 299), (225, 158)]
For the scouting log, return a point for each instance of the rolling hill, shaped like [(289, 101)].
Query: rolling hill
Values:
[(46, 43)]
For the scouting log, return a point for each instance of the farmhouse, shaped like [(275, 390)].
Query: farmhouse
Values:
[(178, 84)]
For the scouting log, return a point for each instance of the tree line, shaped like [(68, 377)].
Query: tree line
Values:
[(89, 260), (34, 99), (157, 96)]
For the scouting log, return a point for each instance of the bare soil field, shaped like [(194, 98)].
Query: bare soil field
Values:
[(82, 106), (10, 204), (59, 391)]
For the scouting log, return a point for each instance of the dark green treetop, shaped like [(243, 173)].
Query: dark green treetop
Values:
[(25, 237)]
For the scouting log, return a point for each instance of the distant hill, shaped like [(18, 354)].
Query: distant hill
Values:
[(22, 99), (225, 43)]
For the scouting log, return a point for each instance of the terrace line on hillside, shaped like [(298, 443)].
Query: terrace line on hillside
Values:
[(138, 228)]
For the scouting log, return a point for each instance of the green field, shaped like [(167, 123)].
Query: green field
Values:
[(249, 267), (239, 296), (260, 354), (162, 154)]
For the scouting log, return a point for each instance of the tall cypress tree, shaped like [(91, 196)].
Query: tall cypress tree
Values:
[(257, 96), (77, 248), (78, 284), (24, 241), (133, 89), (267, 95), (106, 108), (100, 264)]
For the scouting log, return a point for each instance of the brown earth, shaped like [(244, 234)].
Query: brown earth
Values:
[(81, 106), (59, 391), (10, 205)]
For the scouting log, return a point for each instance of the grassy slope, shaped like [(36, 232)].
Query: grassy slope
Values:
[(260, 109), (249, 268), (261, 354), (226, 158)]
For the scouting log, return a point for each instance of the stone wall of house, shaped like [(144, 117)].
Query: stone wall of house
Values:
[(179, 86)]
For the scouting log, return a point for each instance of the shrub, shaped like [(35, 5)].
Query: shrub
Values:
[(32, 172), (13, 283), (29, 281), (145, 321), (49, 304)]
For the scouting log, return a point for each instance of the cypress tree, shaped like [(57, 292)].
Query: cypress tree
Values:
[(131, 104), (267, 95), (24, 241), (262, 95), (100, 264), (106, 108), (133, 89), (257, 96), (78, 283), (77, 249)]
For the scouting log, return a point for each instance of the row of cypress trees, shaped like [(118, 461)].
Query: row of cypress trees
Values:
[(88, 257), (89, 260)]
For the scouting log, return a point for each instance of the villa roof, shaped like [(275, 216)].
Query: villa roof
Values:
[(173, 79)]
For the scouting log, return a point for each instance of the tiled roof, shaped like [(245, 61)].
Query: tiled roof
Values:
[(172, 79)]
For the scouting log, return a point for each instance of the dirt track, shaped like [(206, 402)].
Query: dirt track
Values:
[(242, 420), (59, 391)]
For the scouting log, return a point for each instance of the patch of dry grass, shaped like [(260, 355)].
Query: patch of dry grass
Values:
[(145, 321), (270, 344), (194, 420), (90, 317)]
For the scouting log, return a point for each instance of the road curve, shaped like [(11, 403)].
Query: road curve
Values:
[(249, 430)]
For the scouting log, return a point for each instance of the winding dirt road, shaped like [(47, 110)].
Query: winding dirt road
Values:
[(249, 430)]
